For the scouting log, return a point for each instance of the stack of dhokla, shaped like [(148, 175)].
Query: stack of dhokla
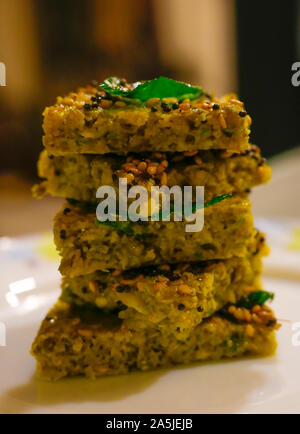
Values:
[(148, 294)]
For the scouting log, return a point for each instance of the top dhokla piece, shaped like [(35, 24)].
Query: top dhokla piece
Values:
[(157, 115)]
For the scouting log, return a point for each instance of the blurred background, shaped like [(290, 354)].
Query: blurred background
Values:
[(50, 47)]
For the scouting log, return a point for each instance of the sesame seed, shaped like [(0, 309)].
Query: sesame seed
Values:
[(87, 106), (164, 179), (175, 106), (185, 106), (62, 234), (142, 166), (215, 106), (50, 157), (222, 121), (198, 160), (151, 170), (66, 211), (236, 101), (120, 104), (105, 103), (93, 287), (154, 109), (95, 105), (200, 309), (181, 306), (242, 114), (152, 102)]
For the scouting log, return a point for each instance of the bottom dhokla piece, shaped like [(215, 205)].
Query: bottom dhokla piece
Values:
[(75, 341)]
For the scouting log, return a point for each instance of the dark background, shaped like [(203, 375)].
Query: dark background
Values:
[(268, 44), (51, 47)]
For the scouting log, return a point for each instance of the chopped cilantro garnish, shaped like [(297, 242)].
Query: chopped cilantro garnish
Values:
[(254, 298), (217, 199), (213, 201)]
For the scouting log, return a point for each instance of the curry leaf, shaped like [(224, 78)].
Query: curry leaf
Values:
[(160, 87)]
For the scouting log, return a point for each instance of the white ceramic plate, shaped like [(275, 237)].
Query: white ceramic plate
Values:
[(256, 385)]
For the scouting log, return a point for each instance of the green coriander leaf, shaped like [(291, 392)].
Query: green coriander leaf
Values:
[(254, 298)]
